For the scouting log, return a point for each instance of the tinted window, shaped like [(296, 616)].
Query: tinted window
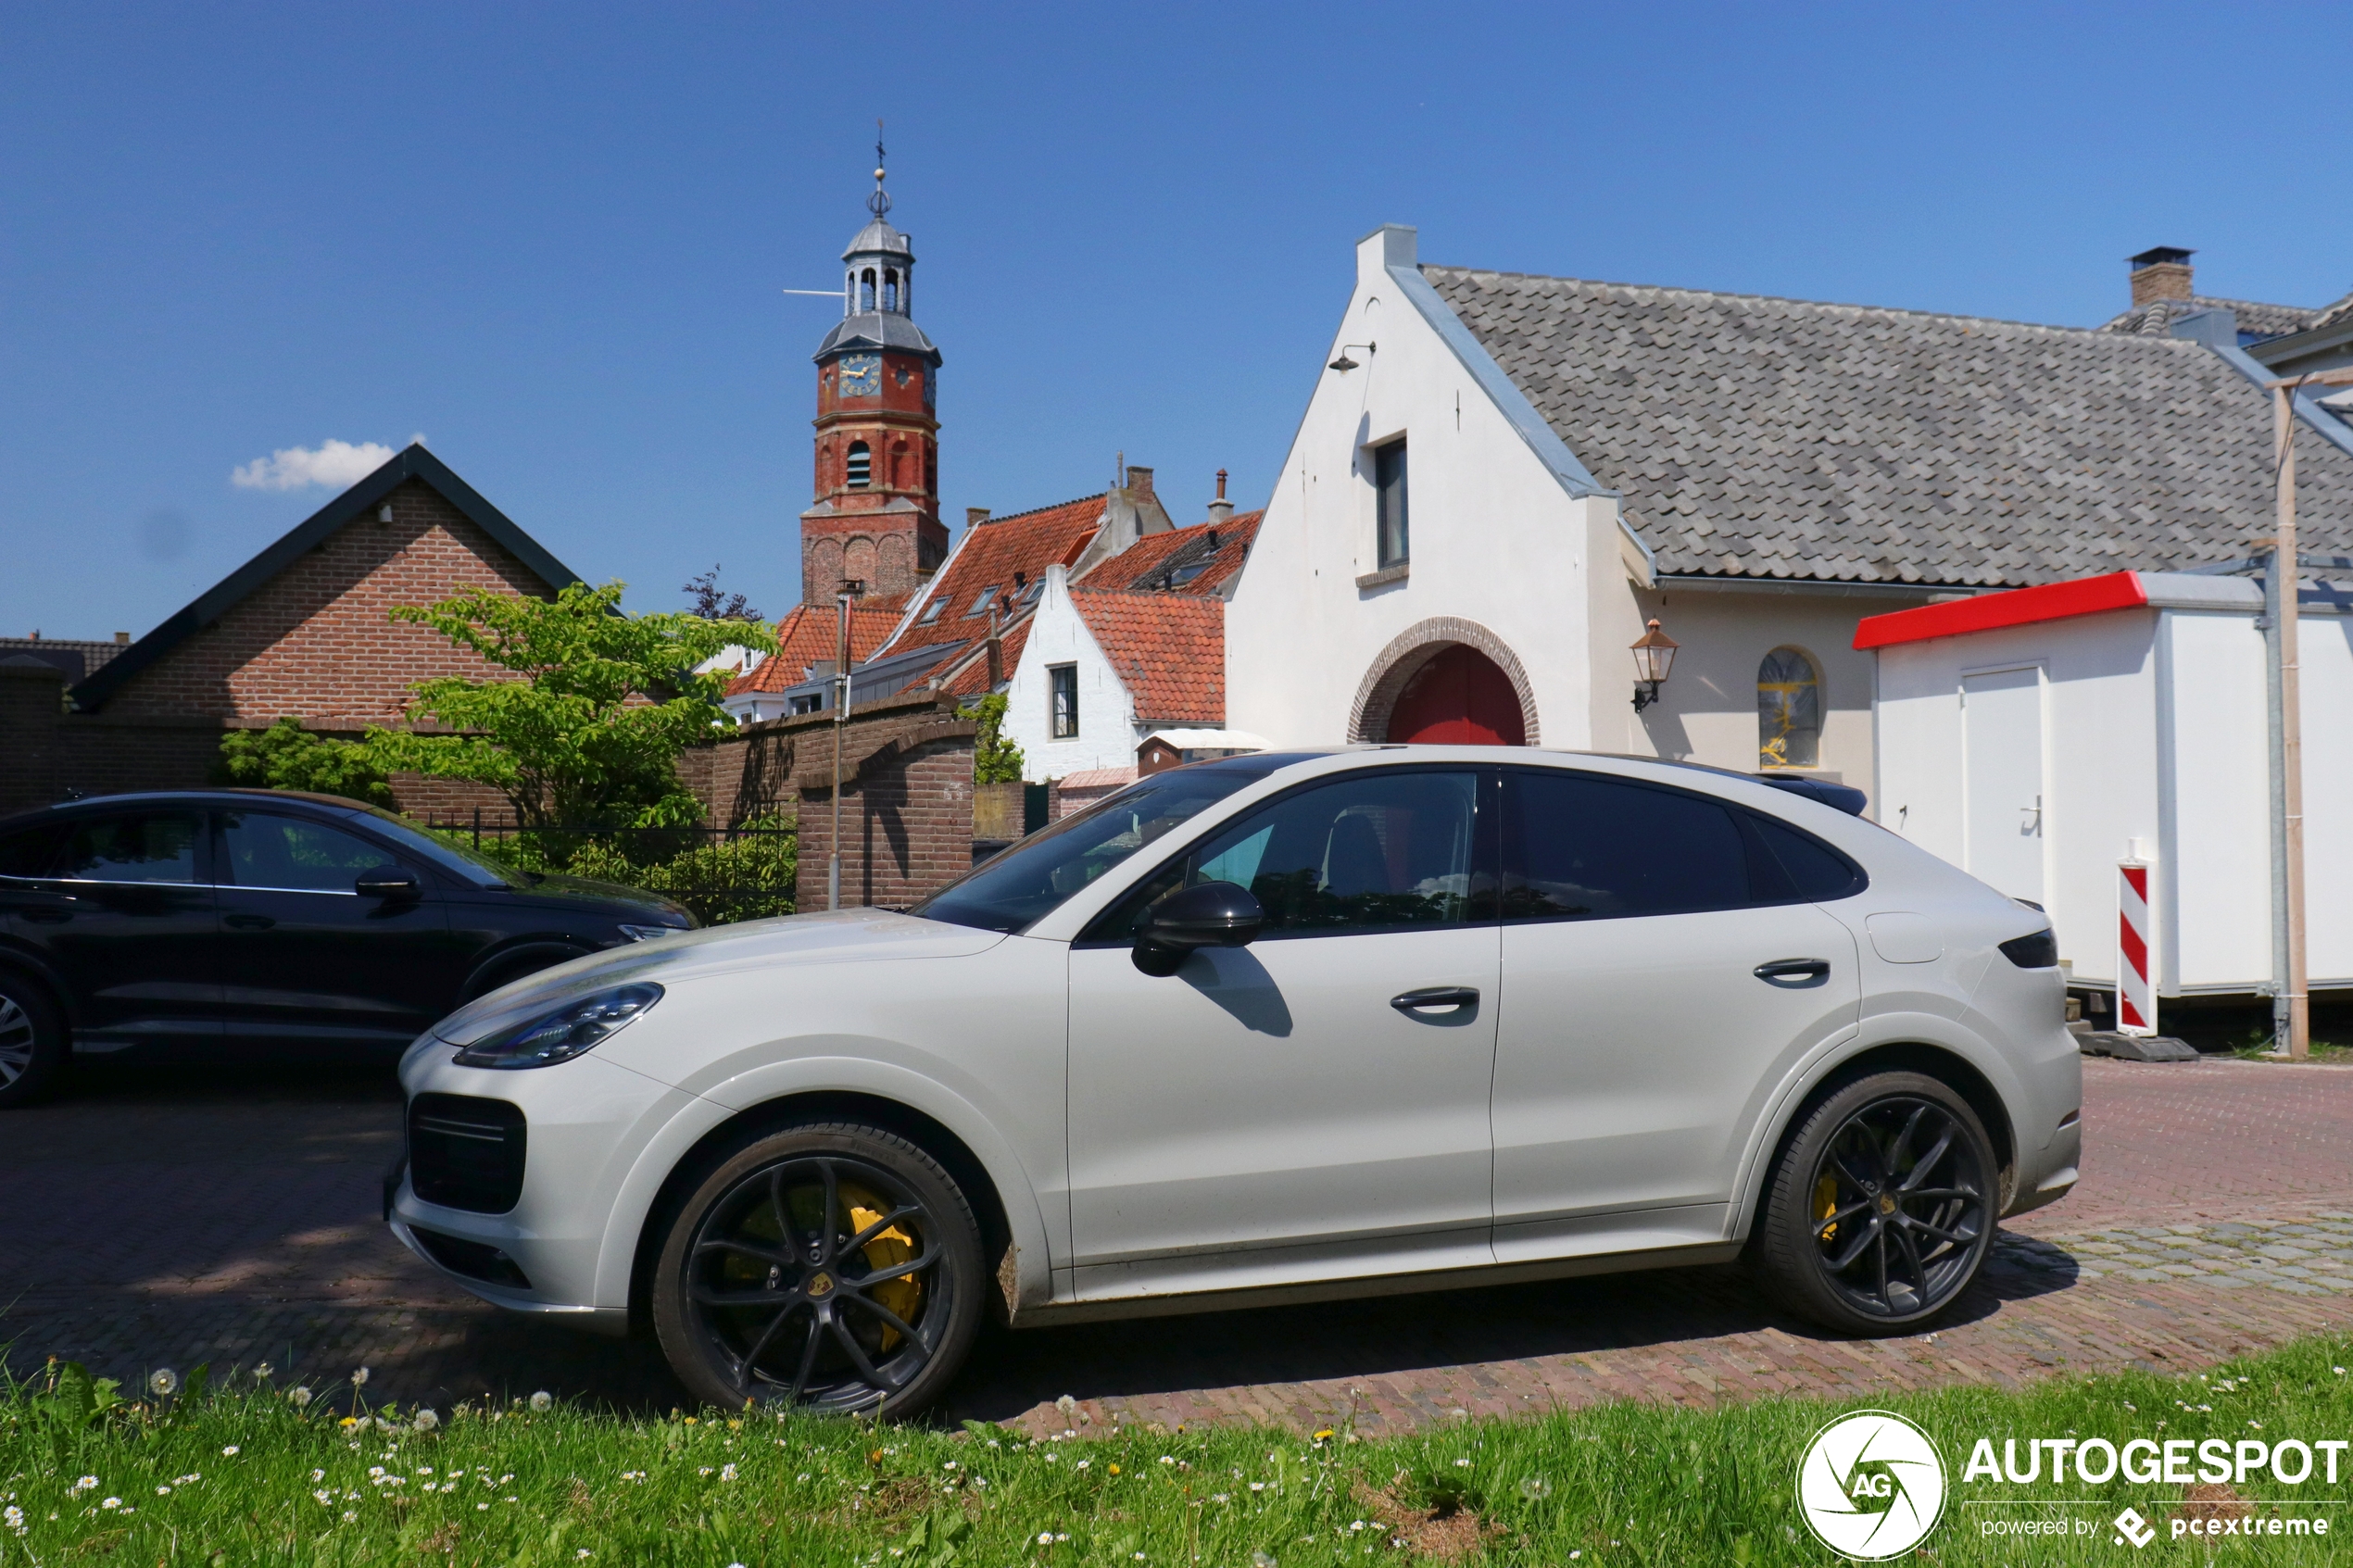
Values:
[(1817, 871), (261, 850), (1578, 845), (160, 847), (474, 867), (30, 854), (1376, 851), (1033, 877)]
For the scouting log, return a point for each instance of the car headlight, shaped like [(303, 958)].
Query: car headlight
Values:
[(580, 1024)]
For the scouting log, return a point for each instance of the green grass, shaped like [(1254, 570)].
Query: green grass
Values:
[(244, 1476)]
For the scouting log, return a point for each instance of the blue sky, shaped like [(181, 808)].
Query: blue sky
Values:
[(551, 238)]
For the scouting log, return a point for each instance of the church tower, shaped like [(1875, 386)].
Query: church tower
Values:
[(876, 516)]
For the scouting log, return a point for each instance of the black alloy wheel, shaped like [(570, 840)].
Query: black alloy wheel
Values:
[(1883, 1207), (32, 1043), (836, 1268)]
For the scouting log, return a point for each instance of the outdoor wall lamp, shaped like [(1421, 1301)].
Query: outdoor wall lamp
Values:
[(1654, 657), (1344, 363)]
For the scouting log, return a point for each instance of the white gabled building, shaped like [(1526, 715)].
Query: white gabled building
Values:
[(1500, 478)]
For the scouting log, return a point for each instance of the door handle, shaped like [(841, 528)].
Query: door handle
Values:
[(247, 922), (1436, 997), (1792, 973)]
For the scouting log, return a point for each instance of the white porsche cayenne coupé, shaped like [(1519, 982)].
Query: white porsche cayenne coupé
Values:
[(1274, 1028)]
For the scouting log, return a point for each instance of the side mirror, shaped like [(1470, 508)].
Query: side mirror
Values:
[(393, 884), (1214, 914)]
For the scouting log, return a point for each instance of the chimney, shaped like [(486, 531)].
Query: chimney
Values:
[(996, 653), (1140, 482), (975, 515), (1221, 509), (2163, 272), (122, 639)]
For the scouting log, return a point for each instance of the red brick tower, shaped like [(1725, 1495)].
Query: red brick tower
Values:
[(877, 513)]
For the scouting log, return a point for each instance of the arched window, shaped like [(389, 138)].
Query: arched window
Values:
[(890, 288), (1789, 710), (861, 466), (866, 289)]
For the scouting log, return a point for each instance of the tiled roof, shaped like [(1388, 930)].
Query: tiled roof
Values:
[(970, 677), (810, 634), (1153, 561), (1005, 553), (2156, 318), (1774, 438), (74, 657), (1168, 649)]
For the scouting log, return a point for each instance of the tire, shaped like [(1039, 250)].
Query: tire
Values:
[(1880, 1210), (754, 1302), (32, 1042)]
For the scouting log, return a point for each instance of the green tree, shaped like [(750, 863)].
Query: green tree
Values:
[(287, 756), (995, 759), (588, 730)]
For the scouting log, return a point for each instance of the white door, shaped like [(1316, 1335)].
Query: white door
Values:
[(1267, 1112), (2002, 781), (1662, 967)]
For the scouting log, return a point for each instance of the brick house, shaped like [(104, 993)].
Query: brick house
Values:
[(302, 628)]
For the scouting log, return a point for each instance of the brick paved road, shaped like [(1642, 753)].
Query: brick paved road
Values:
[(153, 1220)]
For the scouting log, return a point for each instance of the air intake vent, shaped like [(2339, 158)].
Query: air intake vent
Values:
[(466, 1153), (475, 1259)]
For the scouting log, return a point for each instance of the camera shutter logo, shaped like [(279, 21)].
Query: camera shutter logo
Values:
[(1871, 1485)]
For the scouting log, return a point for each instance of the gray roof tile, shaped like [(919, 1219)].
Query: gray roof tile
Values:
[(1754, 436)]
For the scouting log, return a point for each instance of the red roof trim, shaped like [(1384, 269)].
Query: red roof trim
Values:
[(2019, 607)]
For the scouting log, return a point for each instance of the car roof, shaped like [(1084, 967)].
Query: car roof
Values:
[(223, 796)]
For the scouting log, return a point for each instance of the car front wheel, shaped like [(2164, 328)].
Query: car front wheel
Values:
[(1880, 1211), (833, 1266)]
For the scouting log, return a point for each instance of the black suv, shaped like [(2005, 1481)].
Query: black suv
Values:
[(265, 917)]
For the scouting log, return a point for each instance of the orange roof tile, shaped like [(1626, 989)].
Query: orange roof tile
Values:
[(1006, 554), (970, 677), (1145, 565), (808, 634), (1168, 651)]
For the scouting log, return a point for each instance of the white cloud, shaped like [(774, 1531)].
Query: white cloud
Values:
[(335, 463)]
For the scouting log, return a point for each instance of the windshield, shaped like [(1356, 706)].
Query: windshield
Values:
[(1021, 886), (471, 866)]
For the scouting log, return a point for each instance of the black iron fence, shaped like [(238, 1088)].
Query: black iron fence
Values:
[(743, 871)]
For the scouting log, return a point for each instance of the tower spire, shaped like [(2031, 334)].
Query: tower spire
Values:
[(878, 203)]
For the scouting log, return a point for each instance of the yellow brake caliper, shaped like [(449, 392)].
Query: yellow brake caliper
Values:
[(1825, 1204), (884, 1249)]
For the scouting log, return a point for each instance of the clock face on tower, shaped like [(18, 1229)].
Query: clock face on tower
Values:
[(861, 375)]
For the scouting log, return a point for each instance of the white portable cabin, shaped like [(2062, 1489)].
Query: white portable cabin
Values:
[(2040, 738)]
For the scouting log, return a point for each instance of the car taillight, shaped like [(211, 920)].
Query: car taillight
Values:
[(2038, 950)]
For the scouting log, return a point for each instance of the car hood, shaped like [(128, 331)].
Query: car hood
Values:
[(555, 890), (840, 936)]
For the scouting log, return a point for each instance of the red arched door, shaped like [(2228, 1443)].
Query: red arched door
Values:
[(1461, 698)]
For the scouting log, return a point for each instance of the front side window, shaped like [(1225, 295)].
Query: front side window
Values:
[(160, 847), (1063, 701), (1789, 710), (1388, 850), (1389, 486), (292, 855), (1030, 880)]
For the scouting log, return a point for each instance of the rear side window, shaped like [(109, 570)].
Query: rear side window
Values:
[(156, 847), (1587, 846)]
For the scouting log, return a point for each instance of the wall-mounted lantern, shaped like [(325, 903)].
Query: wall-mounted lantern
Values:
[(1343, 363), (1654, 657)]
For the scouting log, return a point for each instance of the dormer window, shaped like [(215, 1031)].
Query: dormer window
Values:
[(980, 605), (861, 466)]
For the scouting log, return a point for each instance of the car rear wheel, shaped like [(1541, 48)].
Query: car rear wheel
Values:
[(32, 1042), (836, 1267), (1880, 1211)]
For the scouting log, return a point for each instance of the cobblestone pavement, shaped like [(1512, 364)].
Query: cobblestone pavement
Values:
[(166, 1219)]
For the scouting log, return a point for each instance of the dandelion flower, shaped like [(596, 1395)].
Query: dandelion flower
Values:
[(298, 1396), (359, 1378), (427, 1421), (164, 1382), (1322, 1433), (542, 1400), (1114, 1469)]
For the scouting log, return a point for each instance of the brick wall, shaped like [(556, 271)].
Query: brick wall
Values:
[(907, 799), (318, 641)]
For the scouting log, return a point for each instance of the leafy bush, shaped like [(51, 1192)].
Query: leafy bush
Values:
[(287, 756), (747, 877), (995, 759)]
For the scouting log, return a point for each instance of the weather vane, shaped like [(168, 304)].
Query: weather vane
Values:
[(879, 203)]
